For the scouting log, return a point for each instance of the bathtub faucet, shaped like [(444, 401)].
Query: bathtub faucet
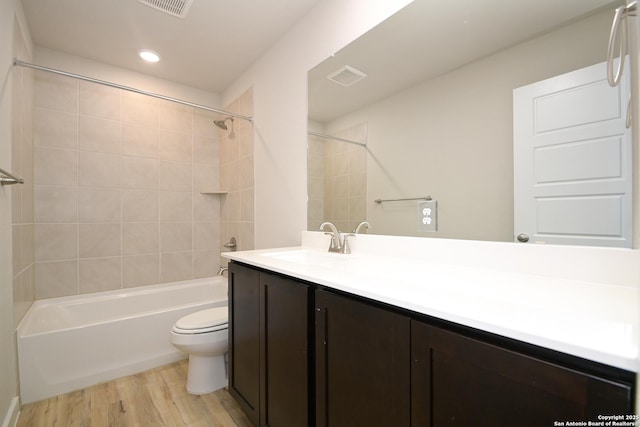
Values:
[(221, 270)]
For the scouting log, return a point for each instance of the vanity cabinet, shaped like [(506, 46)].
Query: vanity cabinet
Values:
[(244, 339), (460, 381), (306, 355), (362, 364), (269, 346)]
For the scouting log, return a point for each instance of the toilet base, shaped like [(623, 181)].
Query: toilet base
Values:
[(206, 374)]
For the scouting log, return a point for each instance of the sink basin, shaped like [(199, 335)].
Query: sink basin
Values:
[(309, 258)]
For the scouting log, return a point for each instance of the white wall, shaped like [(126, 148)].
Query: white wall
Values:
[(8, 371), (279, 81)]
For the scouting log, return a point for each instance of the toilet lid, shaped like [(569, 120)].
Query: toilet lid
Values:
[(205, 319)]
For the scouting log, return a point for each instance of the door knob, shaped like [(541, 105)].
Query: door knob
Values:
[(523, 238)]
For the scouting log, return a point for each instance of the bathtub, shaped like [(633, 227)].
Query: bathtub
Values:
[(69, 343)]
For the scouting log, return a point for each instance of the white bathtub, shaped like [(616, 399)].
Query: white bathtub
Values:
[(68, 343)]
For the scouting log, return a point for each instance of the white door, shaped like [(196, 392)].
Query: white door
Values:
[(572, 160)]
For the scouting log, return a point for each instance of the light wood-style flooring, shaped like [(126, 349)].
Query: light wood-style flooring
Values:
[(154, 398)]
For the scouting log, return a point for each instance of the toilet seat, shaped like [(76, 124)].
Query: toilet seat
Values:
[(200, 322)]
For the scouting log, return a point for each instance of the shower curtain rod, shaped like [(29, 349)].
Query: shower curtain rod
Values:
[(322, 135), (130, 89)]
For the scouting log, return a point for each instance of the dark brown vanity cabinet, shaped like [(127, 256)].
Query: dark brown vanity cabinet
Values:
[(362, 364), (460, 381), (304, 355), (244, 338), (269, 346)]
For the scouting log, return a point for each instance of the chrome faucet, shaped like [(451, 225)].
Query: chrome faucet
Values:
[(336, 240), (363, 224), (221, 270), (339, 242)]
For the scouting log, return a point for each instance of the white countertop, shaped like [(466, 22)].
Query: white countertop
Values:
[(592, 320)]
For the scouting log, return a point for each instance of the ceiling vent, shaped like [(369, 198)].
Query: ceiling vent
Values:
[(178, 8), (346, 76)]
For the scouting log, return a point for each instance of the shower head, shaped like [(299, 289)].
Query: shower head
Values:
[(222, 124)]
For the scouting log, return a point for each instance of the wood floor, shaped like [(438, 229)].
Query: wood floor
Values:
[(154, 398)]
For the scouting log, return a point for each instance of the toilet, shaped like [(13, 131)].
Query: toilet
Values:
[(203, 335)]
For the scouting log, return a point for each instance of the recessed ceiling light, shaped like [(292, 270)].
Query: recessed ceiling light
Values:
[(149, 55)]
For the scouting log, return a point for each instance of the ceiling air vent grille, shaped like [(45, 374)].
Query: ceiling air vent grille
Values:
[(178, 8), (346, 76)]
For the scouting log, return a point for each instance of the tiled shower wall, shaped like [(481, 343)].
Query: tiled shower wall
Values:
[(337, 181), (22, 195), (236, 160), (118, 197)]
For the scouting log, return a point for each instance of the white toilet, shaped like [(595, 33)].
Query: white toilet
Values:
[(203, 335)]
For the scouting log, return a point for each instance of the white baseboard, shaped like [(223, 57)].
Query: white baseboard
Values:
[(11, 417)]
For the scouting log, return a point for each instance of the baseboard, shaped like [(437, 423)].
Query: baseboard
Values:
[(11, 417)]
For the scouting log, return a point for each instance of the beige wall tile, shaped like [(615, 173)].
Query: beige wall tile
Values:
[(175, 117), (140, 238), (55, 167), (206, 235), (28, 245), (56, 129), (56, 203), (99, 170), (140, 140), (140, 270), (175, 146), (206, 207), (127, 187), (245, 140), (205, 263), (176, 237), (206, 178), (100, 135), (99, 205), (206, 150), (16, 247), (99, 101), (99, 240), (139, 173), (233, 177), (203, 123), (246, 205), (27, 211), (141, 109), (176, 266), (246, 234), (100, 274), (175, 206), (56, 242), (56, 279), (56, 92), (231, 206), (175, 176), (140, 205)]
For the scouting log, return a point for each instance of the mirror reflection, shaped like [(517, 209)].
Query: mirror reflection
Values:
[(433, 102)]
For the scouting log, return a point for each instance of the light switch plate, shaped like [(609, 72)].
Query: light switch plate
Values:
[(428, 216)]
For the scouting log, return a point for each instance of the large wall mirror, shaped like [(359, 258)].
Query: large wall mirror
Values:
[(435, 111)]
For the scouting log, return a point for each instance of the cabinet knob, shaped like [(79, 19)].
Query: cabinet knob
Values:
[(523, 238)]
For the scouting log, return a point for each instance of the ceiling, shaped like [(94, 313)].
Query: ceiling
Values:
[(208, 49)]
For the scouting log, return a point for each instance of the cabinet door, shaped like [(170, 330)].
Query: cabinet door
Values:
[(459, 381), (362, 364), (284, 351), (244, 338)]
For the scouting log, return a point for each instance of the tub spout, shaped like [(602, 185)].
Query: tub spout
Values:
[(221, 270)]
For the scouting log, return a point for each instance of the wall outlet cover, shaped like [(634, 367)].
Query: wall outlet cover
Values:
[(428, 216)]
